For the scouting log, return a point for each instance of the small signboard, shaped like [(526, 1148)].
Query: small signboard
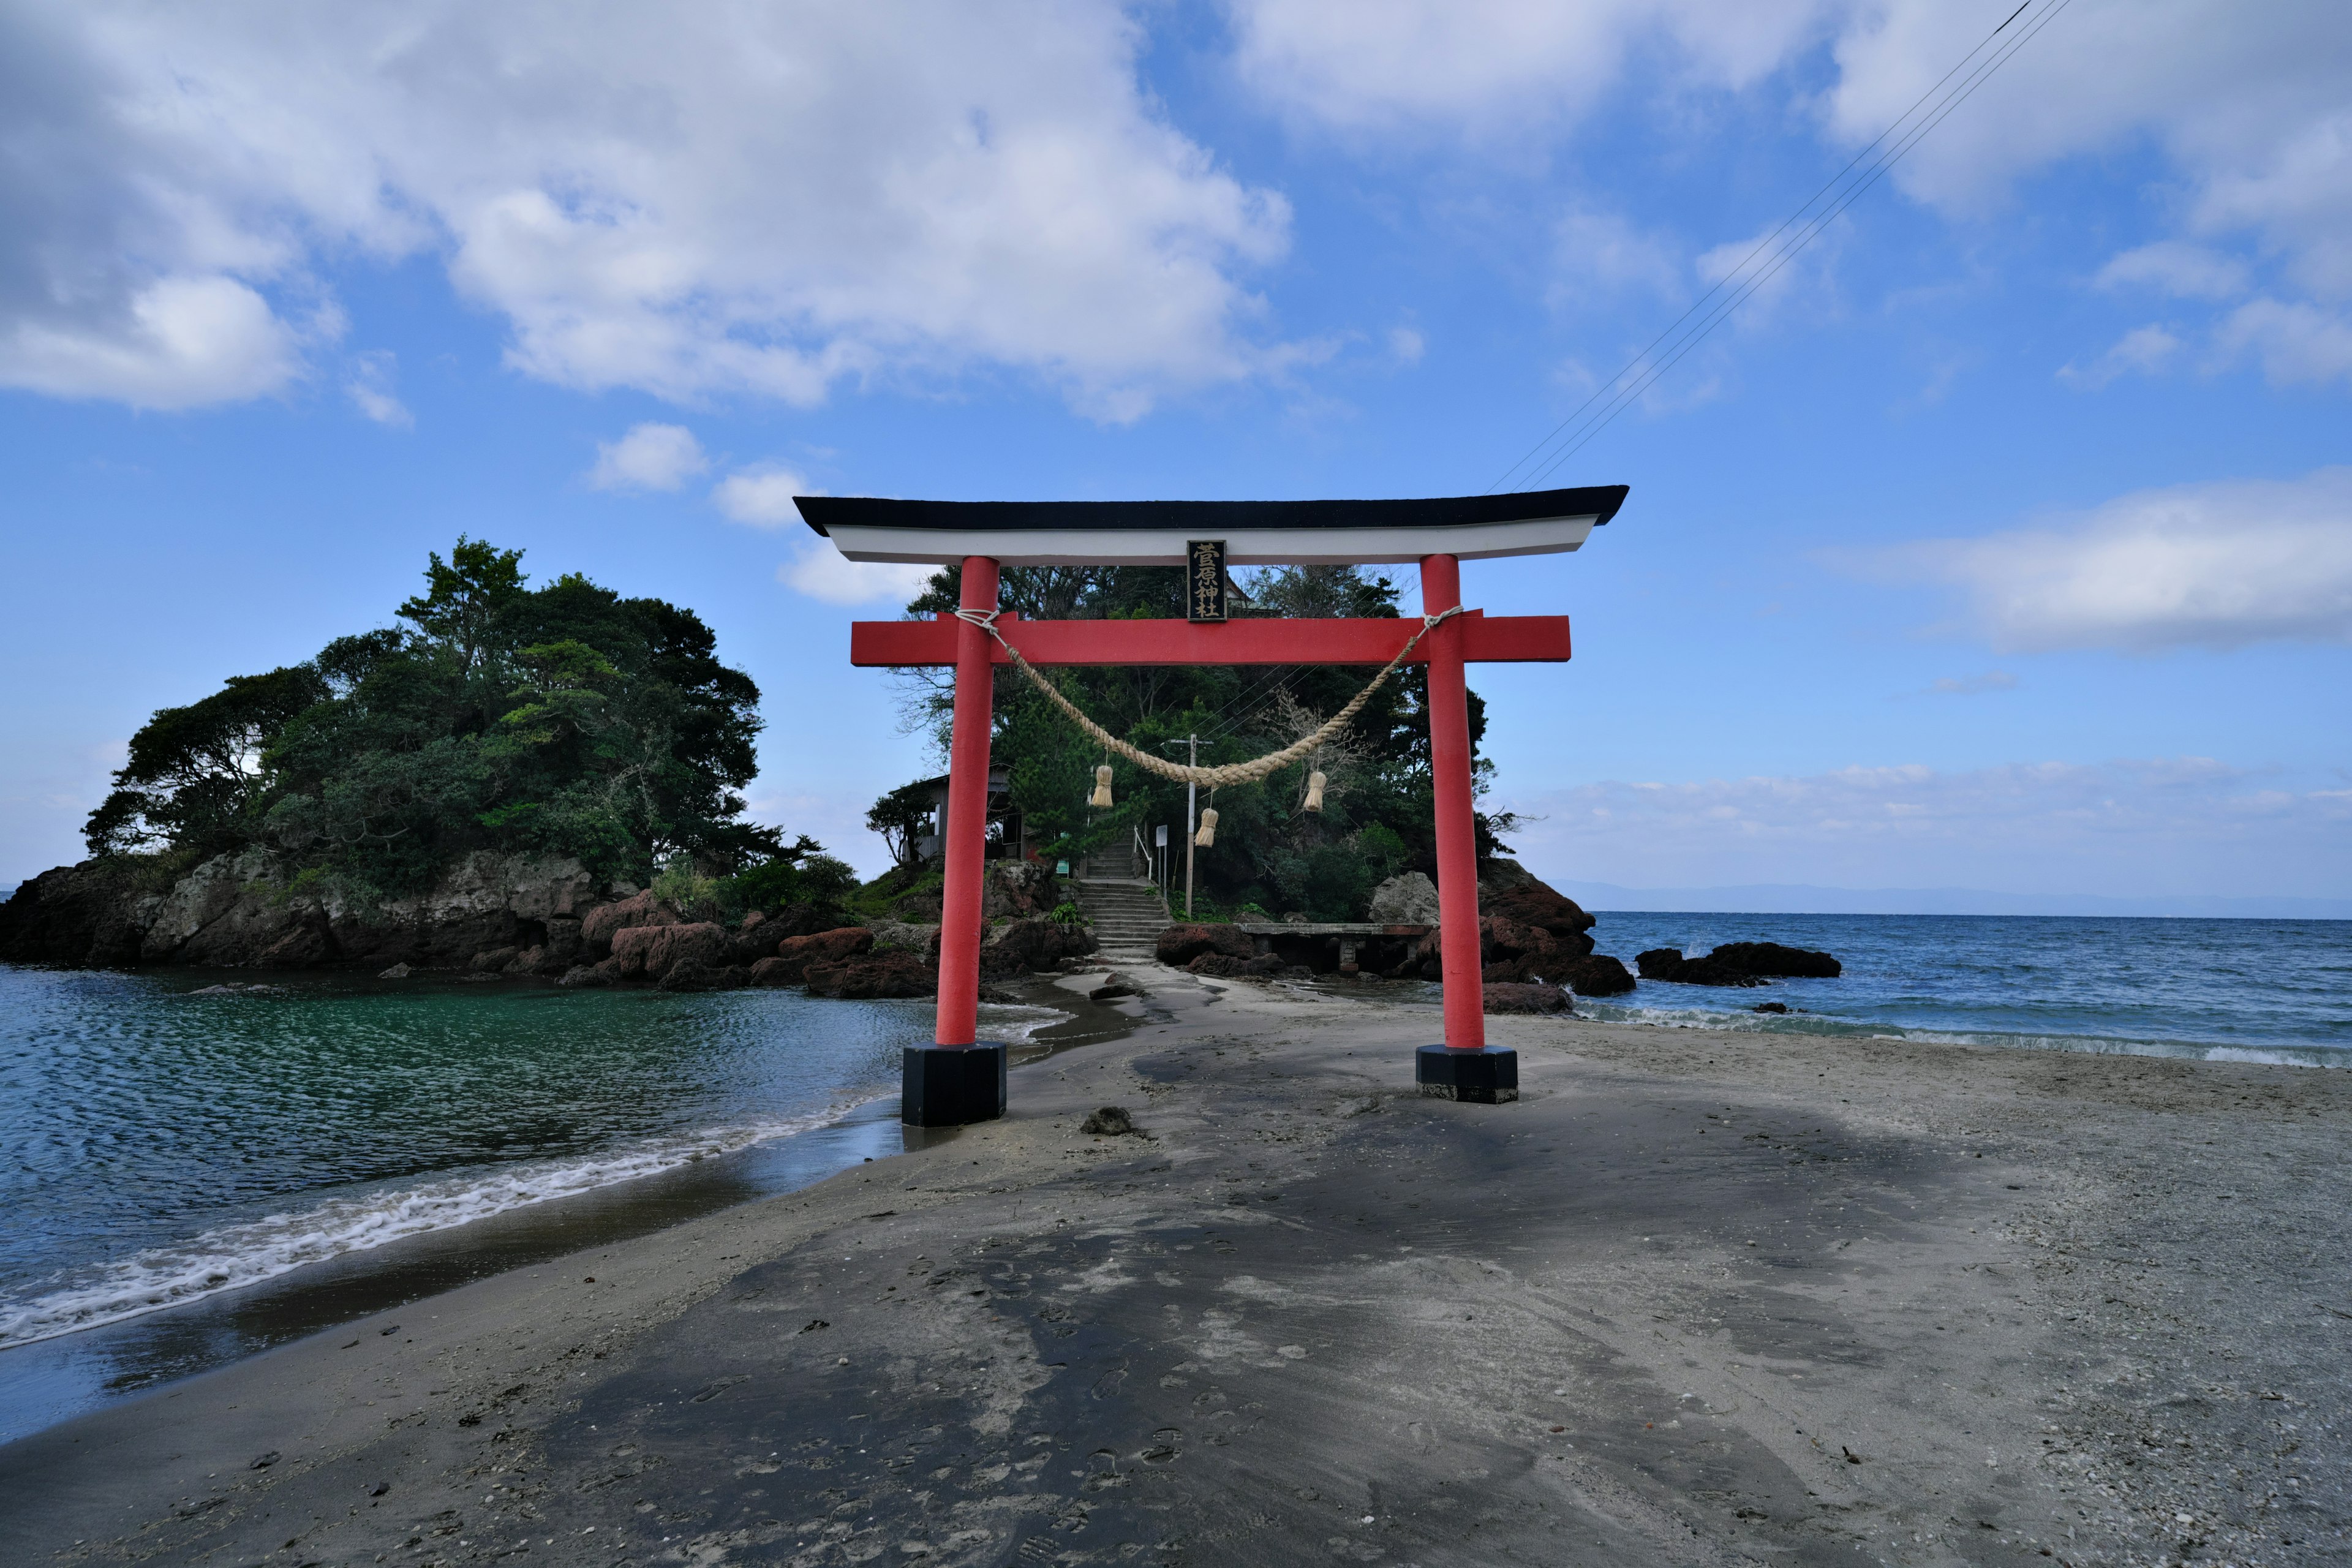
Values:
[(1204, 580)]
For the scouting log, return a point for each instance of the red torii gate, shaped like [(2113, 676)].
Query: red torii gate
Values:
[(961, 1079)]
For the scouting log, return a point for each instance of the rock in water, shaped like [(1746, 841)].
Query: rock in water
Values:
[(1409, 900), (1667, 963), (1769, 958), (1597, 976), (795, 955), (1510, 997), (1109, 1121), (1113, 987), (397, 971), (1532, 904), (891, 972), (651, 952), (1769, 1007)]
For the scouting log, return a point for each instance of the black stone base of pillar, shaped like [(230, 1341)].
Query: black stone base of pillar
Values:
[(1487, 1076), (947, 1086)]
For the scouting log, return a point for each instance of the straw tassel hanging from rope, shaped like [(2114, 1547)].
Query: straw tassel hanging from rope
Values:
[(1102, 786), (1315, 790), (1208, 834)]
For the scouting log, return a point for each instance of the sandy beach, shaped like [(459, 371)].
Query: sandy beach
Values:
[(1698, 1297)]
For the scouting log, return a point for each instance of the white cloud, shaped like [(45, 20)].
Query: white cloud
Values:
[(651, 457), (2245, 103), (1600, 254), (2182, 825), (824, 573), (2211, 565), (1406, 345), (1494, 68), (2295, 342), (369, 387), (2145, 350), (760, 496), (174, 342), (681, 200), (2175, 267)]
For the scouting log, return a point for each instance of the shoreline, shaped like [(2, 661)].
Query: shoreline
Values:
[(1610, 1322), (63, 1374)]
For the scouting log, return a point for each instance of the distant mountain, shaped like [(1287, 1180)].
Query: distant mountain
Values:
[(1800, 899)]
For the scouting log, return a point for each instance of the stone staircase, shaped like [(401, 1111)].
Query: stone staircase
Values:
[(1128, 914)]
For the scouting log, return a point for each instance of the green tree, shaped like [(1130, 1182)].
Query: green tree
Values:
[(563, 719)]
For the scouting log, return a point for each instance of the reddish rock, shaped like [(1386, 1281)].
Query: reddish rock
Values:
[(893, 971), (796, 955), (1180, 945), (600, 925), (650, 951)]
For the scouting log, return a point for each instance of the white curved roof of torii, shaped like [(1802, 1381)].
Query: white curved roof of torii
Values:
[(1255, 533)]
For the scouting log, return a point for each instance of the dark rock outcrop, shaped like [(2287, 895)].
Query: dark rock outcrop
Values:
[(890, 972), (1178, 945), (1668, 964), (692, 975), (1018, 888), (1033, 946), (1225, 966), (1518, 998), (76, 915), (1737, 963), (1532, 904), (251, 910), (1597, 974), (1769, 958)]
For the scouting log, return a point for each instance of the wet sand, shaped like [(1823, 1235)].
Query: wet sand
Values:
[(1698, 1297)]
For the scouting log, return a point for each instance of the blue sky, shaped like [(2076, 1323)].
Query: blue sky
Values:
[(2003, 541)]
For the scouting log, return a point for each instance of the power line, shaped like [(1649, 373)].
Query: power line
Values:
[(1636, 377)]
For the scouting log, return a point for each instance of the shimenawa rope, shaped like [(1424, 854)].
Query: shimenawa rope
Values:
[(1229, 773)]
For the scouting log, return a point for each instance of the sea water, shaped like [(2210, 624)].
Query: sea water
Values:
[(2230, 990), (179, 1146)]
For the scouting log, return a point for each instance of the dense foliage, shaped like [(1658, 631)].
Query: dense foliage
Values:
[(562, 720), (1377, 806)]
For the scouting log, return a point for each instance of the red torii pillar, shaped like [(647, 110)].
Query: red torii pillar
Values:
[(960, 1077)]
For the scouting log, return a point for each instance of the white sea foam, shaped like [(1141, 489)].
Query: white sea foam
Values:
[(232, 1256), (1016, 1023)]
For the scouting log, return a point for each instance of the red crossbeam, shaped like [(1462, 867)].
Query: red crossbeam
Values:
[(1506, 639)]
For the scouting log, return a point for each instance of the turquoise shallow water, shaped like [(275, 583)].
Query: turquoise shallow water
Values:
[(164, 1146)]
